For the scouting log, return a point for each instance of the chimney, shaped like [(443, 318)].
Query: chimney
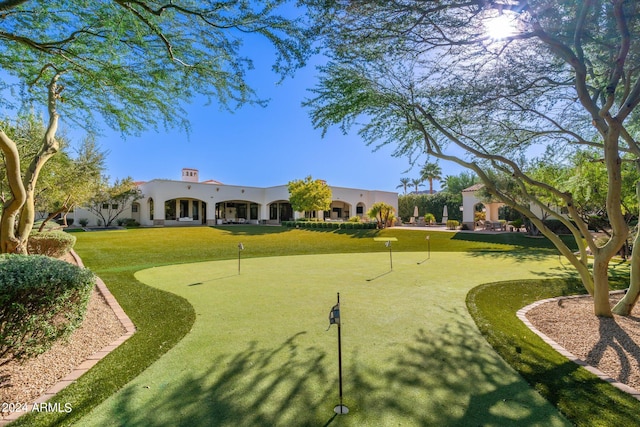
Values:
[(190, 175)]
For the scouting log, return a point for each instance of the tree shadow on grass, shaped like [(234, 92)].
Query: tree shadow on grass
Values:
[(446, 378), (434, 378), (614, 337), (251, 230), (519, 255), (515, 239), (580, 395), (257, 386)]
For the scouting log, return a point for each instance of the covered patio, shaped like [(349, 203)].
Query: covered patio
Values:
[(478, 214)]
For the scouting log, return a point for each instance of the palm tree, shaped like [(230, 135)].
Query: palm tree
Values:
[(454, 184), (404, 183), (429, 172), (416, 183)]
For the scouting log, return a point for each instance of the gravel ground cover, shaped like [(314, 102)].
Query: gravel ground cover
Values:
[(25, 382), (611, 345)]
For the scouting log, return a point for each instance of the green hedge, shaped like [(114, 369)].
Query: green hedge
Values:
[(330, 225), (41, 300), (50, 243)]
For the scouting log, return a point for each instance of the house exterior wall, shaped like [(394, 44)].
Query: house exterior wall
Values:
[(206, 196), (470, 200)]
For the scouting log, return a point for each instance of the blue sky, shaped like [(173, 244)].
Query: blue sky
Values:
[(258, 146)]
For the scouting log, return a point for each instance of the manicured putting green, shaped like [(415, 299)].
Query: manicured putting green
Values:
[(259, 353)]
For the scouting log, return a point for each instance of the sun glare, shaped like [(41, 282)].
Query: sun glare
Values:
[(501, 27)]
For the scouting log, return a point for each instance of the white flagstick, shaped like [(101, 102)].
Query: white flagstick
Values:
[(428, 239), (240, 249)]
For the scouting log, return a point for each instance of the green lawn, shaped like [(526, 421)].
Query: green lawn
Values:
[(414, 355), (259, 352), (580, 395)]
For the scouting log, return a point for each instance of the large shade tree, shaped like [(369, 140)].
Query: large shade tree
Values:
[(309, 195), (430, 77), (68, 181), (131, 64)]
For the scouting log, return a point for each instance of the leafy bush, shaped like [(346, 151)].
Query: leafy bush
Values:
[(41, 300), (556, 226), (127, 222), (83, 222), (48, 226), (61, 221), (517, 223), (50, 243), (429, 218), (434, 203), (354, 219), (452, 224), (330, 225)]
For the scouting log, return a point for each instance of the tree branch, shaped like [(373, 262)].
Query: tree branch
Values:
[(11, 4)]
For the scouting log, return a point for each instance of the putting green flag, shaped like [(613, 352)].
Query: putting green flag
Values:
[(334, 315)]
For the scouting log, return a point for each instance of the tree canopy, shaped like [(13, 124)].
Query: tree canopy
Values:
[(383, 213), (128, 63), (308, 195), (428, 77), (110, 200), (431, 171), (134, 63)]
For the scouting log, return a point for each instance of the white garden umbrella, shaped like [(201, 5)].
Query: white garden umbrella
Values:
[(445, 214), (415, 211)]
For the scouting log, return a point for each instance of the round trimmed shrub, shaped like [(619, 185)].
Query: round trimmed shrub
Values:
[(50, 243), (41, 300)]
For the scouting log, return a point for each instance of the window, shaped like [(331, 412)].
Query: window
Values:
[(184, 208), (241, 210), (286, 212), (359, 210), (195, 210), (134, 208), (114, 206), (105, 206), (170, 209), (273, 211), (253, 211)]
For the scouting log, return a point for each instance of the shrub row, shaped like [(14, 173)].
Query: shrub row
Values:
[(50, 243), (41, 300), (330, 225), (127, 222)]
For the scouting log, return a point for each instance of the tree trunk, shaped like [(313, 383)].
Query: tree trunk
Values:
[(626, 304), (53, 215), (50, 146), (9, 242), (619, 228), (601, 305)]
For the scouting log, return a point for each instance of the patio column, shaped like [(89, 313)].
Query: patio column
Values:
[(158, 211), (211, 212)]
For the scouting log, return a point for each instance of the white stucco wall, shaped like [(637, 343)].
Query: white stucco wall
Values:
[(162, 190)]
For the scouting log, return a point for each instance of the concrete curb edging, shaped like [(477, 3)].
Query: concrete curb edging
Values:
[(557, 347), (91, 360)]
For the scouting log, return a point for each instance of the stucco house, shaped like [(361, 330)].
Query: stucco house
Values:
[(471, 204), (189, 201)]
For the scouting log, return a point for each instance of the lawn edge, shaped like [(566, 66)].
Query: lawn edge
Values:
[(580, 395)]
